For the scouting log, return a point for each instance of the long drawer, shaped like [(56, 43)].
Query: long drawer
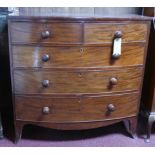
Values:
[(92, 81), (58, 57), (97, 108), (31, 32)]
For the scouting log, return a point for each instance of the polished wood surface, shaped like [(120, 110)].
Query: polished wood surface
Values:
[(30, 82), (102, 33), (71, 126), (149, 11), (85, 18), (69, 77), (31, 56), (75, 109), (26, 32), (59, 33)]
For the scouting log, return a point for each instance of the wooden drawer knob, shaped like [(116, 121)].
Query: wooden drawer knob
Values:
[(46, 110), (45, 83), (113, 81), (45, 34), (45, 57), (111, 108), (118, 34)]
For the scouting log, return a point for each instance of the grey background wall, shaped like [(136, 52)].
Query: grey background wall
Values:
[(79, 11)]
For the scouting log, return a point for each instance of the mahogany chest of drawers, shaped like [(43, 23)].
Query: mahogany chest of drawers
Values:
[(77, 73)]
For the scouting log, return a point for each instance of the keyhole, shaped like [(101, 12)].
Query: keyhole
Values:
[(81, 50), (79, 100), (80, 74)]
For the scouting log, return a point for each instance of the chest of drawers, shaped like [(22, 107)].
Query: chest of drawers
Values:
[(65, 74)]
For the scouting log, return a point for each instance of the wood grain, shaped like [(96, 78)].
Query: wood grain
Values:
[(71, 126), (30, 82), (67, 57), (75, 109), (30, 32), (79, 89), (149, 11), (102, 33), (60, 33)]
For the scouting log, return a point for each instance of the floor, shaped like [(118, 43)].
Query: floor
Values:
[(114, 135)]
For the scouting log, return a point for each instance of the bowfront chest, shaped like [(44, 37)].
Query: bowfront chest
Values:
[(77, 73)]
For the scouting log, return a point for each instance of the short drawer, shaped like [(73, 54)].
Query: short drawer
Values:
[(95, 108), (105, 32), (93, 81), (58, 57), (31, 32)]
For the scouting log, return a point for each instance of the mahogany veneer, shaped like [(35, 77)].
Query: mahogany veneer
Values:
[(64, 75), (75, 109), (62, 57), (31, 82)]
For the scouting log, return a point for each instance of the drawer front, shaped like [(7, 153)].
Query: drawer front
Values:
[(29, 32), (104, 33), (46, 82), (57, 57), (76, 109)]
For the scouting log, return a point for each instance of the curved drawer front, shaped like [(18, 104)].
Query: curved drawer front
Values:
[(48, 109), (31, 32), (58, 57), (46, 82), (104, 33)]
